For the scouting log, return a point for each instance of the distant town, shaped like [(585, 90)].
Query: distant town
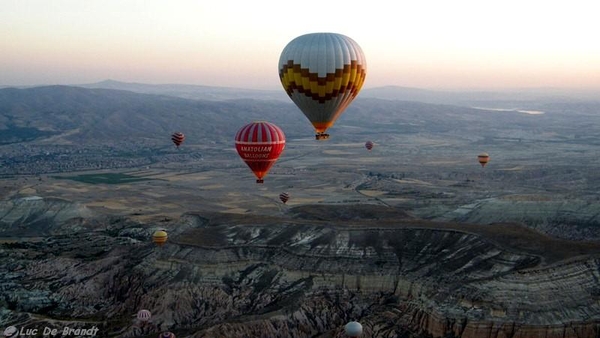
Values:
[(19, 159)]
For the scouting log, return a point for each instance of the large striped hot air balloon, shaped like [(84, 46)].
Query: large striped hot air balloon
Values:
[(284, 197), (483, 158), (353, 329), (369, 145), (322, 73), (177, 138), (159, 237), (144, 315), (259, 144)]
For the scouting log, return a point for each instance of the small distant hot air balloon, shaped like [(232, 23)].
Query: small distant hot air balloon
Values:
[(322, 73), (144, 315), (178, 138), (353, 329), (166, 335), (284, 197), (159, 237), (369, 145), (259, 144), (483, 158)]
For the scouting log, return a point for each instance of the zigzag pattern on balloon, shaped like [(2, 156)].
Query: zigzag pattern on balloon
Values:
[(346, 80)]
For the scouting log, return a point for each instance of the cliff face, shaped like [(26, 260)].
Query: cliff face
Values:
[(568, 218), (228, 276), (37, 216)]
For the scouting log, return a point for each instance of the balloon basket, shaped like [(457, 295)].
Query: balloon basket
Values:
[(321, 137), (260, 181)]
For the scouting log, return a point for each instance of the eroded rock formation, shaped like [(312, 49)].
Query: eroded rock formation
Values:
[(299, 276)]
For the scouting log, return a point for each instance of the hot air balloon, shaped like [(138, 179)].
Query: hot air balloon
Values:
[(166, 335), (159, 237), (353, 329), (259, 144), (284, 197), (369, 145), (322, 73), (177, 138), (144, 315), (483, 158)]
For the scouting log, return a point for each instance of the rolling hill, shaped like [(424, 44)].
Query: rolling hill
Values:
[(108, 116)]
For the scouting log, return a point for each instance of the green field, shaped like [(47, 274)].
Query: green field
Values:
[(105, 178)]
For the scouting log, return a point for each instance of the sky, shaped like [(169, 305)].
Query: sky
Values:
[(232, 43)]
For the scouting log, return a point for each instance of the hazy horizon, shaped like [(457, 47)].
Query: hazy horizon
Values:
[(587, 92), (463, 45)]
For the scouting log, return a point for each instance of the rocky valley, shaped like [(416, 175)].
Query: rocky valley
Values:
[(412, 238), (294, 275)]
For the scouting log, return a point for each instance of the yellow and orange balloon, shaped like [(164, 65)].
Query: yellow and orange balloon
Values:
[(322, 73), (159, 237), (483, 158)]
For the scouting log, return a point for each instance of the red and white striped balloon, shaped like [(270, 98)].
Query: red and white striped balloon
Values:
[(369, 145), (259, 144), (178, 138), (284, 197)]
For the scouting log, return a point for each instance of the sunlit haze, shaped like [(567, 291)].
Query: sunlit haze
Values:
[(426, 44)]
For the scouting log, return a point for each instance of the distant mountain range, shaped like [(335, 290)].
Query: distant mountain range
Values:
[(84, 115), (464, 98), (504, 98), (194, 92), (97, 115)]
